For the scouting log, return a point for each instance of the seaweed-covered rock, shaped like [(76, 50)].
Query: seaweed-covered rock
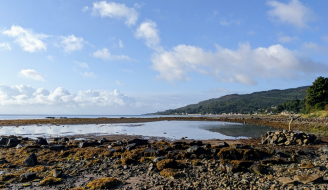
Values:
[(41, 141), (31, 160), (195, 149), (138, 142)]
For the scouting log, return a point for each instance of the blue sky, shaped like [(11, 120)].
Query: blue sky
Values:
[(135, 57)]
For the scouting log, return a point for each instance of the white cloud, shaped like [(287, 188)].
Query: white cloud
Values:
[(71, 43), (287, 39), (23, 95), (148, 31), (89, 74), (293, 12), (120, 44), (325, 38), (5, 46), (106, 55), (31, 74), (86, 8), (244, 65), (251, 33), (27, 39), (119, 83), (310, 45), (115, 10), (82, 64), (51, 58), (224, 22)]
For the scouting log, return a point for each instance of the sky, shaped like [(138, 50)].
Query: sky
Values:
[(136, 57)]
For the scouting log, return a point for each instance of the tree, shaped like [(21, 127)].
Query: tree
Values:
[(317, 94)]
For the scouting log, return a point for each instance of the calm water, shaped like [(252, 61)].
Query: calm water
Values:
[(32, 116), (170, 129)]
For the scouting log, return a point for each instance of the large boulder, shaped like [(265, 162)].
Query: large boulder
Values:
[(41, 141), (138, 142)]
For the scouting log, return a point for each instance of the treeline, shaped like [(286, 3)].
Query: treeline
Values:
[(257, 102)]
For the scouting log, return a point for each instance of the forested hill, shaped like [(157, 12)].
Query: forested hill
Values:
[(244, 103)]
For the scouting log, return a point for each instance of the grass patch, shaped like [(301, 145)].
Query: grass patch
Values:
[(319, 114)]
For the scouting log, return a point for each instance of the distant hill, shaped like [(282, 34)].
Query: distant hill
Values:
[(245, 103)]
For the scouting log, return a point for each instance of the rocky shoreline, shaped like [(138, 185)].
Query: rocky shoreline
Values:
[(64, 163)]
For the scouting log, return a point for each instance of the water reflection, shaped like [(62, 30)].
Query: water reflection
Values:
[(169, 129)]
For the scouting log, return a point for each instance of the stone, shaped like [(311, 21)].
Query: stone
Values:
[(65, 139), (3, 161), (222, 145), (286, 180), (138, 142), (57, 147), (157, 159), (229, 167), (325, 149), (56, 173), (3, 140), (41, 141), (28, 176), (264, 141), (84, 144), (195, 149), (13, 142), (287, 143), (131, 146), (31, 160), (309, 178), (19, 146)]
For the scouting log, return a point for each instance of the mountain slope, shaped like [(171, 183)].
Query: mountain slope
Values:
[(241, 103)]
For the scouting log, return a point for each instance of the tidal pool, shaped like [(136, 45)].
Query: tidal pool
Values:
[(199, 130)]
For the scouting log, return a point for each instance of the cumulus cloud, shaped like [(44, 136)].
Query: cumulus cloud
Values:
[(293, 12), (71, 43), (115, 10), (31, 74), (148, 31), (27, 95), (106, 55), (5, 46), (244, 65), (27, 39)]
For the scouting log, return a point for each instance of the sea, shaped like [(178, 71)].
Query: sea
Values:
[(198, 130)]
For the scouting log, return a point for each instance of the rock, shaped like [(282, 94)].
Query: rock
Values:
[(84, 144), (131, 146), (287, 143), (3, 161), (206, 146), (264, 141), (222, 145), (195, 149), (3, 140), (19, 146), (258, 169), (13, 142), (309, 178), (28, 176), (57, 147), (41, 141), (157, 159), (65, 139), (239, 146), (56, 173), (138, 142), (286, 180), (31, 160), (229, 167), (325, 149)]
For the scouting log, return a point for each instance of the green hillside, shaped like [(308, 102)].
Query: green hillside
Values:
[(244, 103)]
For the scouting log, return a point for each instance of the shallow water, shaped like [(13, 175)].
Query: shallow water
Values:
[(38, 116), (170, 129)]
